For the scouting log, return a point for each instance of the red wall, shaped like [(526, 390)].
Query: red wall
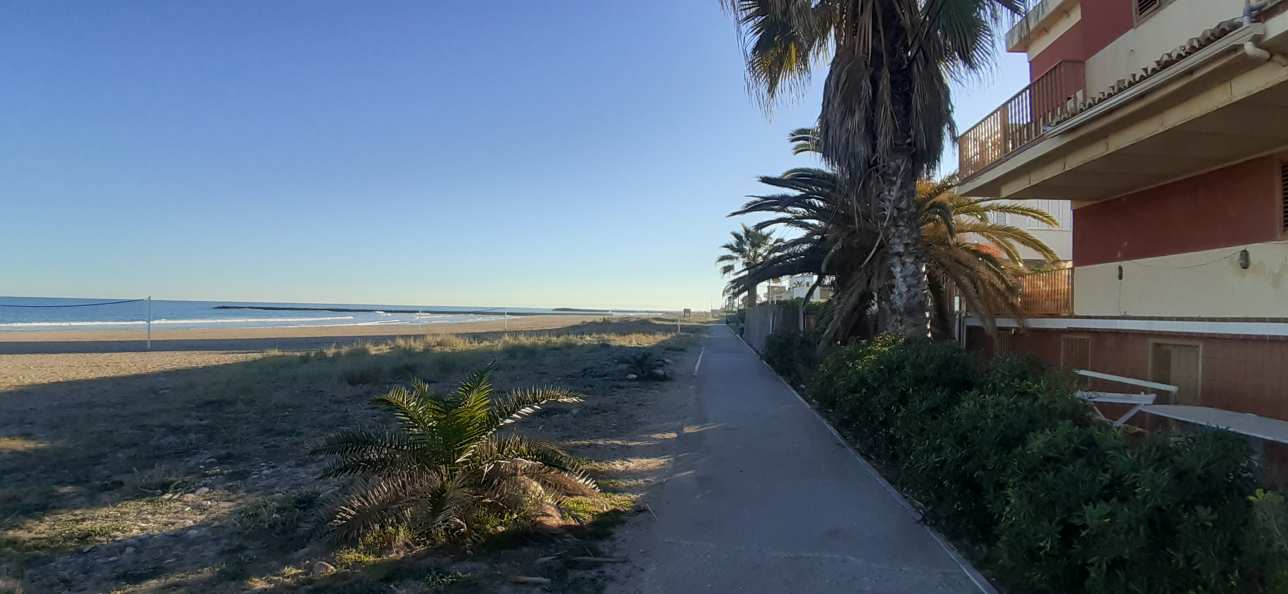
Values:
[(1231, 206), (1243, 374), (1066, 47), (1239, 373), (1102, 22)]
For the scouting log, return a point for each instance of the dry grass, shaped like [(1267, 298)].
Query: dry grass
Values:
[(190, 471)]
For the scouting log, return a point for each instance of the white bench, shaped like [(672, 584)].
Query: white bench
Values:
[(1136, 401)]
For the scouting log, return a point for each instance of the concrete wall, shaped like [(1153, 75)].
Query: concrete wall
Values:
[(1129, 51), (1078, 33), (1105, 34), (1178, 248), (1235, 205), (1202, 284), (1060, 39), (1245, 374)]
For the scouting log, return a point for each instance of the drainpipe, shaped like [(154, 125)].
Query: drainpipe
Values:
[(1256, 51), (1253, 47)]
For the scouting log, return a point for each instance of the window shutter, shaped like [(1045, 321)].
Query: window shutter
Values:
[(1283, 196), (1144, 7)]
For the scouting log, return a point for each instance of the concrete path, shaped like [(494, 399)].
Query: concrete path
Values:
[(764, 498)]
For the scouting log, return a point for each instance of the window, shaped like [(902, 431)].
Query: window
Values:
[(1283, 196)]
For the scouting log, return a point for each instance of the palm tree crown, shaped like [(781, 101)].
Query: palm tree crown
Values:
[(886, 103), (968, 254), (749, 247)]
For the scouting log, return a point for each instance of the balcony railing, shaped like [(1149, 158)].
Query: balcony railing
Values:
[(1047, 293), (1022, 119)]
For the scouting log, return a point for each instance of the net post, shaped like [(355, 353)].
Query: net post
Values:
[(149, 322)]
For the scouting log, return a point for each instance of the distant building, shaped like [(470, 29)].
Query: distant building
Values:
[(798, 286), (1059, 239), (775, 293)]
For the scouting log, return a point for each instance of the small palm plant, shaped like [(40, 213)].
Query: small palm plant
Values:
[(445, 474)]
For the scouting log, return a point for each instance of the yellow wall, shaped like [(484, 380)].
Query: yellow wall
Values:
[(1207, 284), (1155, 35)]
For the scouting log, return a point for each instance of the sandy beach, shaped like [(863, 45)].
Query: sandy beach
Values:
[(188, 468), (258, 339)]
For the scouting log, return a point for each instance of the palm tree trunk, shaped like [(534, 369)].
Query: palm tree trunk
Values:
[(908, 312), (941, 318), (751, 298)]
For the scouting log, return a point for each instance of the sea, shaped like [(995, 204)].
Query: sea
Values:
[(45, 314)]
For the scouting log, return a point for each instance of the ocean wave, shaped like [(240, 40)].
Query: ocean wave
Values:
[(168, 321)]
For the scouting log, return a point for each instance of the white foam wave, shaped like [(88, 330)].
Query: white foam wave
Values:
[(198, 321)]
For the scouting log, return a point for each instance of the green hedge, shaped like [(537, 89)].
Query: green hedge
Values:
[(1005, 459), (794, 356)]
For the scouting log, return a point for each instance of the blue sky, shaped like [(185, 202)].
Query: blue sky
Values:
[(578, 153)]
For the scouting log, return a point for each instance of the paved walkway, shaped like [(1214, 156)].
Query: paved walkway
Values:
[(763, 498)]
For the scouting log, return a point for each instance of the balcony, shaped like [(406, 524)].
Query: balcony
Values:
[(1037, 16), (1047, 293), (1022, 119)]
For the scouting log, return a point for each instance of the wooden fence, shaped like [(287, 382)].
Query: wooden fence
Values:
[(1047, 293)]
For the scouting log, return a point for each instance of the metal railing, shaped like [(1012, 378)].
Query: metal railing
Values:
[(1047, 293), (1022, 118)]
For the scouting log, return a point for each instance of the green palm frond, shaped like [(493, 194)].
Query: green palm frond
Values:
[(442, 470), (966, 252), (366, 453), (414, 409)]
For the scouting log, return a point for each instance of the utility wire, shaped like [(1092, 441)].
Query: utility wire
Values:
[(73, 305)]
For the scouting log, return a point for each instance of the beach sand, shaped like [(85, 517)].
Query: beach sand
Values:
[(144, 471), (260, 339)]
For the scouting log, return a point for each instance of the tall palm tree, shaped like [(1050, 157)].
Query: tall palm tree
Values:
[(886, 105), (968, 254), (749, 247)]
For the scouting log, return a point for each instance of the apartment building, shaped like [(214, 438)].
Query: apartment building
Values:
[(1164, 123)]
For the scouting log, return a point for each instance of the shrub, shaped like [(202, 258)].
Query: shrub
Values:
[(794, 356), (1087, 512), (894, 390), (646, 365), (1009, 459), (838, 375), (279, 516), (362, 375), (959, 472), (1266, 542), (444, 475)]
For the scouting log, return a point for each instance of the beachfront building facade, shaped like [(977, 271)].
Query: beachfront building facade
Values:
[(1163, 122)]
